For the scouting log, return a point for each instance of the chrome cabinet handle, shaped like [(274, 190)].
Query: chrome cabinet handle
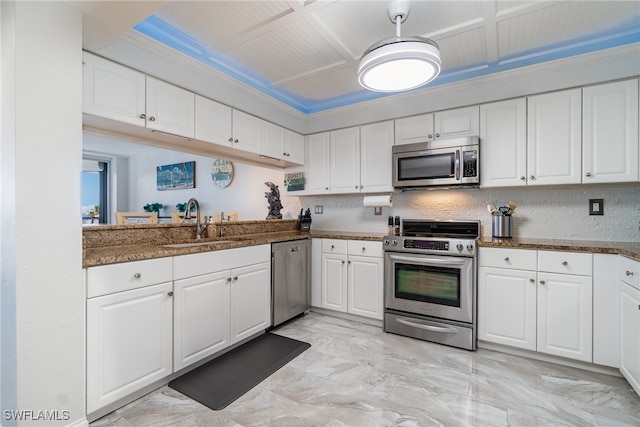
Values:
[(296, 249), (332, 247), (326, 188), (143, 116), (430, 135), (437, 135), (506, 259), (356, 187), (542, 282), (230, 139), (235, 140), (235, 278), (170, 293), (228, 279), (362, 186), (348, 262), (152, 119), (565, 263), (629, 273), (137, 275), (364, 249), (522, 178), (343, 261), (532, 177), (588, 174), (532, 280)]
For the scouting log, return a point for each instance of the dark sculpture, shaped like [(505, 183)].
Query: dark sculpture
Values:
[(273, 197)]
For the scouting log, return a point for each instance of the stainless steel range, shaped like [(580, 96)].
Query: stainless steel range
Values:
[(431, 280)]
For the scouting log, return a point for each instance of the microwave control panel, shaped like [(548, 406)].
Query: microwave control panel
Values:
[(470, 163)]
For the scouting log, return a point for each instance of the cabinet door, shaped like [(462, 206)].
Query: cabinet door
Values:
[(170, 109), (345, 160), (113, 91), (272, 140), (456, 123), (503, 146), (610, 132), (294, 147), (565, 315), (246, 132), (630, 335), (213, 122), (250, 300), (318, 163), (334, 282), (129, 342), (554, 138), (365, 286), (200, 317), (411, 130), (376, 143), (507, 307)]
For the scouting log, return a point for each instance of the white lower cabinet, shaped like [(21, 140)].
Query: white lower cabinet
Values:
[(536, 300), (129, 333), (352, 277), (221, 298), (629, 277), (201, 317)]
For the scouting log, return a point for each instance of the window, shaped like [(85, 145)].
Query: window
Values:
[(95, 178)]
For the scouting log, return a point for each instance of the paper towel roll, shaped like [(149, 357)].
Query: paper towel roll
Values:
[(378, 201)]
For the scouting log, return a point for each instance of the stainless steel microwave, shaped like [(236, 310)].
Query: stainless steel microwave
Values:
[(452, 162)]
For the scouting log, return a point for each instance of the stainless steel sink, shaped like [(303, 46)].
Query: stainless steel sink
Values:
[(203, 243)]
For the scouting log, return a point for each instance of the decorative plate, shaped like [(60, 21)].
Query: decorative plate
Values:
[(221, 173)]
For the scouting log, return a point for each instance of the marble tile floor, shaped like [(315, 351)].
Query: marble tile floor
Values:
[(357, 375)]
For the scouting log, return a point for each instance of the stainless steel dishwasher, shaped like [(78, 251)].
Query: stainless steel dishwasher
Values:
[(290, 279)]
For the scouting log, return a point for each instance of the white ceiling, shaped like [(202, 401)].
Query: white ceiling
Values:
[(305, 54)]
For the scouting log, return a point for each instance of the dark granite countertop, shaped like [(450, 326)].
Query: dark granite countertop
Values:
[(117, 253)]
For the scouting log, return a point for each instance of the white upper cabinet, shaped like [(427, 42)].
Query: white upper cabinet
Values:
[(610, 132), (318, 163), (503, 143), (376, 144), (272, 140), (410, 130), (246, 132), (293, 147), (457, 123), (170, 109), (345, 160), (113, 91), (213, 122), (554, 138)]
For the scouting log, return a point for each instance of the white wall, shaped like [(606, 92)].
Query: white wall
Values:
[(49, 290), (244, 195), (548, 213)]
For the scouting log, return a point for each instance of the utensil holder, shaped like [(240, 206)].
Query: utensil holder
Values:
[(502, 226)]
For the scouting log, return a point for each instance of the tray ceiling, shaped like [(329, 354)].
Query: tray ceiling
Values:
[(306, 54)]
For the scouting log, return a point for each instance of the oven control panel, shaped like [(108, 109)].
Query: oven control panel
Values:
[(455, 247), (433, 245)]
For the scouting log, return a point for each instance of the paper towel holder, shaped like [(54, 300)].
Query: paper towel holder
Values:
[(378, 202)]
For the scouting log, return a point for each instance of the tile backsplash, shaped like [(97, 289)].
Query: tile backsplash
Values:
[(549, 212)]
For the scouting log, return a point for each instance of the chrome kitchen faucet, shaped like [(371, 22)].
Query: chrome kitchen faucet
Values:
[(200, 228)]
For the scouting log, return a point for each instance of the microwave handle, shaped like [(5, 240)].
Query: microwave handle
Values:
[(457, 165)]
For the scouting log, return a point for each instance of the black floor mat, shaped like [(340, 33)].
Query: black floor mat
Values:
[(221, 381)]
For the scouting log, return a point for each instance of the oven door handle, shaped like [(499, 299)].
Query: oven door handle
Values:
[(449, 261), (426, 326)]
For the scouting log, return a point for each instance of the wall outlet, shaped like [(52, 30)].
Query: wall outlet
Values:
[(596, 206), (319, 209)]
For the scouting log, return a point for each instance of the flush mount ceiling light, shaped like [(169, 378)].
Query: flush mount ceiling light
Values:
[(398, 63)]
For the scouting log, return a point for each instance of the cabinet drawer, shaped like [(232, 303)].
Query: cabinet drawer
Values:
[(335, 246), (565, 262), (108, 279), (365, 248), (192, 265), (519, 259), (629, 271)]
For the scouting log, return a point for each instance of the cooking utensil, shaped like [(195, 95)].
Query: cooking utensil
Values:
[(492, 209), (504, 210), (512, 206)]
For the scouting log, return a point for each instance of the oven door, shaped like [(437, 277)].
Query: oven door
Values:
[(436, 286)]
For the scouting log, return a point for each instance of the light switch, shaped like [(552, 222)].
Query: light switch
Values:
[(596, 206)]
